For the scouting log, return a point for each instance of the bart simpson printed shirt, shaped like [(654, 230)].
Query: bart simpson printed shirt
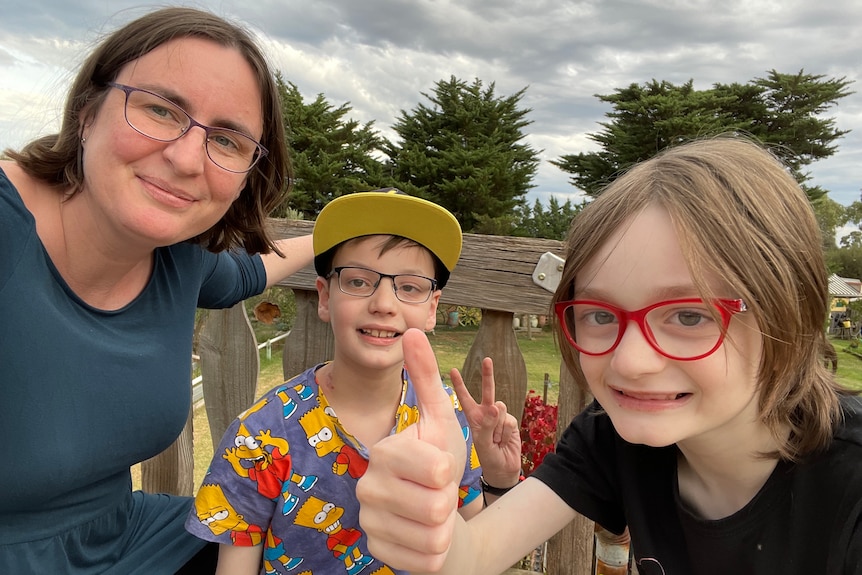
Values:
[(284, 476)]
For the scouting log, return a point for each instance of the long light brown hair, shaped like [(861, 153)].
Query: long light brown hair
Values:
[(742, 217), (54, 159)]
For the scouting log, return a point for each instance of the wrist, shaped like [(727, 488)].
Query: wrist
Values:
[(492, 489)]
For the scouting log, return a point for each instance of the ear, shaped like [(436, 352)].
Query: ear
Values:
[(86, 119), (84, 130), (431, 320), (322, 286)]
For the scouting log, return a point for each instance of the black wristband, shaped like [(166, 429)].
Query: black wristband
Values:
[(498, 491)]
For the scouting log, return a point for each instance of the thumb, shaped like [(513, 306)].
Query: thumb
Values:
[(437, 422)]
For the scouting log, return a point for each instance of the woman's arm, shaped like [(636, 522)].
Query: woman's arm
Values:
[(237, 560), (298, 253)]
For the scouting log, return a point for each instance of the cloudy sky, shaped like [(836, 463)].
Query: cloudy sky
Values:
[(380, 55)]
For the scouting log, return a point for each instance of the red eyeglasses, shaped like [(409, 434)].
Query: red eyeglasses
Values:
[(680, 329)]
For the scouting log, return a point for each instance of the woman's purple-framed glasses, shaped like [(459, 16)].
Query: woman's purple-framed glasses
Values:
[(160, 119)]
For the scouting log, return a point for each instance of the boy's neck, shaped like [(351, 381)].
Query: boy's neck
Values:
[(365, 403)]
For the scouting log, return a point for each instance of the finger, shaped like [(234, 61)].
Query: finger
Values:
[(502, 428), (488, 387), (468, 404), (436, 415)]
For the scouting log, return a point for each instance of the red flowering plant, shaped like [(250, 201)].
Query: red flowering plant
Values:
[(538, 431)]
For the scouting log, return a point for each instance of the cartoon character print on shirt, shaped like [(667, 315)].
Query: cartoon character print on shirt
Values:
[(343, 542), (265, 460), (405, 416), (289, 406), (216, 512), (320, 425), (273, 552), (465, 492)]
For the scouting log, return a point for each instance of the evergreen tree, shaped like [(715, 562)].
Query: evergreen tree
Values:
[(331, 155), (784, 111), (553, 223), (465, 153)]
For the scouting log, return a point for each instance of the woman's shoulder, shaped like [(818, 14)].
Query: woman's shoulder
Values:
[(12, 179), (19, 188), (14, 211)]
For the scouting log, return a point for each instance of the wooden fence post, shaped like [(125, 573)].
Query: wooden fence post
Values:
[(229, 366), (570, 552), (496, 339), (310, 340)]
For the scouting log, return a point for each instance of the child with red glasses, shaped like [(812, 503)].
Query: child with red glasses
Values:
[(692, 306)]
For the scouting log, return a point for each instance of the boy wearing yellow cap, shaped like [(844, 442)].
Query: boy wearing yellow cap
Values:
[(281, 485)]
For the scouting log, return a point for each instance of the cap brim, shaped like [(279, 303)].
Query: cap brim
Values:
[(372, 213)]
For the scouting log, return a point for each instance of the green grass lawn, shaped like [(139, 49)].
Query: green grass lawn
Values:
[(451, 346), (849, 362)]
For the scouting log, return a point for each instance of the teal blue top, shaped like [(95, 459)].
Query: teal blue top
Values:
[(86, 393)]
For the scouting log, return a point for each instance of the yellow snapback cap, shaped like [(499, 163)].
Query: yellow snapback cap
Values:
[(388, 212)]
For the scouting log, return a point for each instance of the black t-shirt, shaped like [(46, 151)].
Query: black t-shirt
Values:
[(805, 520)]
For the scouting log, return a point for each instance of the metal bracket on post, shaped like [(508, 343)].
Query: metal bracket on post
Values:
[(548, 271)]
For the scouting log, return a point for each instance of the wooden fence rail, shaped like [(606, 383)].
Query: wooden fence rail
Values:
[(494, 274)]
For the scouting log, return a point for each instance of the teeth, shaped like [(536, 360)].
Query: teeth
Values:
[(378, 333)]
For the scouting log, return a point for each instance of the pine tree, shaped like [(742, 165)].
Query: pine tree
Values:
[(331, 155), (464, 151), (784, 111)]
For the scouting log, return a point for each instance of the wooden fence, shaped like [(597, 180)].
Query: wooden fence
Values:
[(494, 274)]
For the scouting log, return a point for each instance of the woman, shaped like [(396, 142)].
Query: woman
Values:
[(692, 306), (149, 202)]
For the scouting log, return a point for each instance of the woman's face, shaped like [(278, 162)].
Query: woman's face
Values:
[(651, 399), (159, 193)]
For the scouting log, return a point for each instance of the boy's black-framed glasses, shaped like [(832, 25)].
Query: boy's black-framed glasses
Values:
[(363, 282), (680, 329), (158, 118)]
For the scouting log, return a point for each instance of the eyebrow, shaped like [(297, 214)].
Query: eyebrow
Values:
[(184, 103), (417, 272), (661, 294)]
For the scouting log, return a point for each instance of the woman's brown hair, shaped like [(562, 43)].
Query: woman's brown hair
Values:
[(55, 159)]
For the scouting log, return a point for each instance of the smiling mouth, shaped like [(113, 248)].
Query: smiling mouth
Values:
[(379, 333), (653, 396)]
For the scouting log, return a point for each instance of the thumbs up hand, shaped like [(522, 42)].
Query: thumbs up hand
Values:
[(409, 494)]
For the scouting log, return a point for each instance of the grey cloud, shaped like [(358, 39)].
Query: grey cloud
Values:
[(381, 54)]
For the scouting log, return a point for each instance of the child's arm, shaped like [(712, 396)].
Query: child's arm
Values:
[(471, 509), (238, 560), (495, 431), (408, 494)]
